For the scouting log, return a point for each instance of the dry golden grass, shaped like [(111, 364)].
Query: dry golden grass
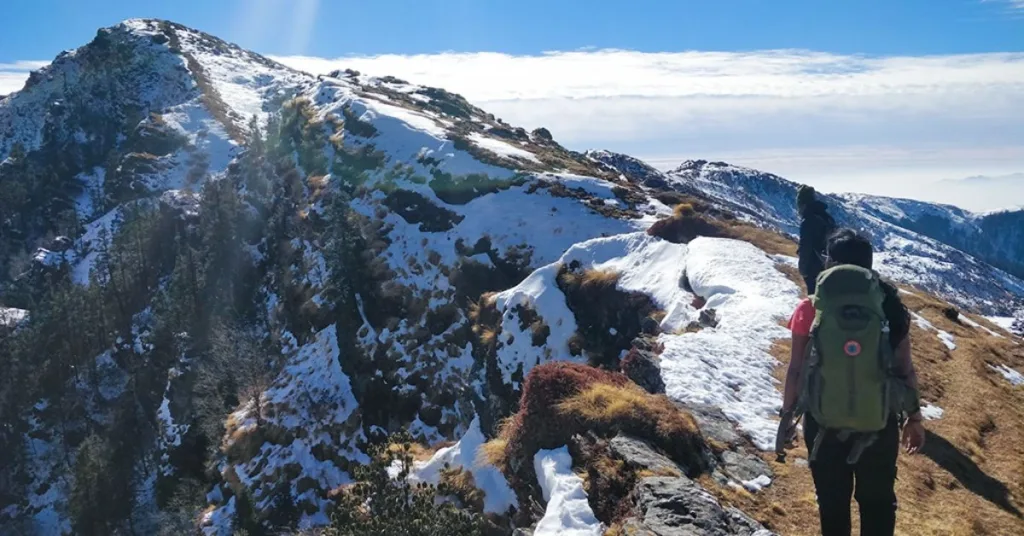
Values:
[(461, 484), (970, 477), (593, 279), (493, 452), (769, 241), (660, 471), (688, 221), (488, 336), (607, 406), (683, 210)]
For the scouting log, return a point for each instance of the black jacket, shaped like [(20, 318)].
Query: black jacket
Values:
[(815, 227)]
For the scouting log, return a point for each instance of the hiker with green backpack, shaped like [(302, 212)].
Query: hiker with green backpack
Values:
[(852, 381)]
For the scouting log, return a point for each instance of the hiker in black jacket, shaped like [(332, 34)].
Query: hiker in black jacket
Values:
[(816, 224)]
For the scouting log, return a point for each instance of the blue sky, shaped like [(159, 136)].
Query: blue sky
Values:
[(883, 96), (41, 28)]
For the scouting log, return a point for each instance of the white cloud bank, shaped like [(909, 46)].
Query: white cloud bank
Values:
[(13, 75), (891, 125)]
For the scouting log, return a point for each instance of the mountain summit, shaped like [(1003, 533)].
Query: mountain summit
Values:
[(239, 297)]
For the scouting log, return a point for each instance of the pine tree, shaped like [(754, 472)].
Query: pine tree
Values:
[(341, 253), (221, 250), (91, 502), (246, 518)]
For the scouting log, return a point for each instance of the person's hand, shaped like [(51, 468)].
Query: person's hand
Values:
[(785, 438), (913, 436)]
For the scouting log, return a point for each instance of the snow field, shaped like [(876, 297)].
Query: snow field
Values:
[(730, 366)]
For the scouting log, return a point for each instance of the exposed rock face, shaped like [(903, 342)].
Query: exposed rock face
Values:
[(542, 134), (744, 466), (677, 506), (715, 425), (640, 455), (740, 462), (672, 504), (641, 366)]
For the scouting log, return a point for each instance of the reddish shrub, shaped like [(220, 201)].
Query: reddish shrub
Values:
[(684, 225), (561, 400)]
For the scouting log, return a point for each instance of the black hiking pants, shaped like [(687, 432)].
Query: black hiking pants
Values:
[(871, 481)]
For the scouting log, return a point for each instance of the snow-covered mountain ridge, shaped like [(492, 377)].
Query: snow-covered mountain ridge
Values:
[(224, 281), (973, 259)]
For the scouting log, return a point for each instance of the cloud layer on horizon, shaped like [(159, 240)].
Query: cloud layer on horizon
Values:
[(13, 75)]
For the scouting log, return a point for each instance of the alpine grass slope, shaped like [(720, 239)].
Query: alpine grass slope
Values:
[(227, 285)]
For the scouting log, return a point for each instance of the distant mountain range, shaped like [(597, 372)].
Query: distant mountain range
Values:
[(973, 259)]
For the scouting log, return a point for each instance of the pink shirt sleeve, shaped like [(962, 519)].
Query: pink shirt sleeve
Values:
[(803, 318)]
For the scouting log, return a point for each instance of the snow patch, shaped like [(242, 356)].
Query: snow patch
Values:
[(1015, 378), (757, 484), (931, 413), (11, 317), (498, 496), (502, 149), (944, 336), (1005, 322), (312, 397), (645, 264), (568, 513), (967, 320)]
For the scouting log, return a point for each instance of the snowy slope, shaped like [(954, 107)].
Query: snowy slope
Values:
[(918, 242)]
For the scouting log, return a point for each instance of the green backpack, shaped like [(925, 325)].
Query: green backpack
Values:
[(848, 385)]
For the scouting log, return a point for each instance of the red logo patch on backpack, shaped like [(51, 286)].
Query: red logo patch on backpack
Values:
[(852, 348)]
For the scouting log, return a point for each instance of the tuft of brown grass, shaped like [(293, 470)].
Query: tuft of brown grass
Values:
[(460, 483), (613, 407), (494, 452), (771, 242), (684, 225), (691, 219), (588, 400), (683, 210), (598, 279), (488, 336)]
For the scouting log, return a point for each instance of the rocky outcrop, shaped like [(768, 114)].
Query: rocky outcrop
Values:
[(641, 366), (668, 503), (678, 506), (640, 455), (737, 461), (714, 424)]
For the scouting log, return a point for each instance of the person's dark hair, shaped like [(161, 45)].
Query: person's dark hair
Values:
[(847, 246), (805, 196)]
